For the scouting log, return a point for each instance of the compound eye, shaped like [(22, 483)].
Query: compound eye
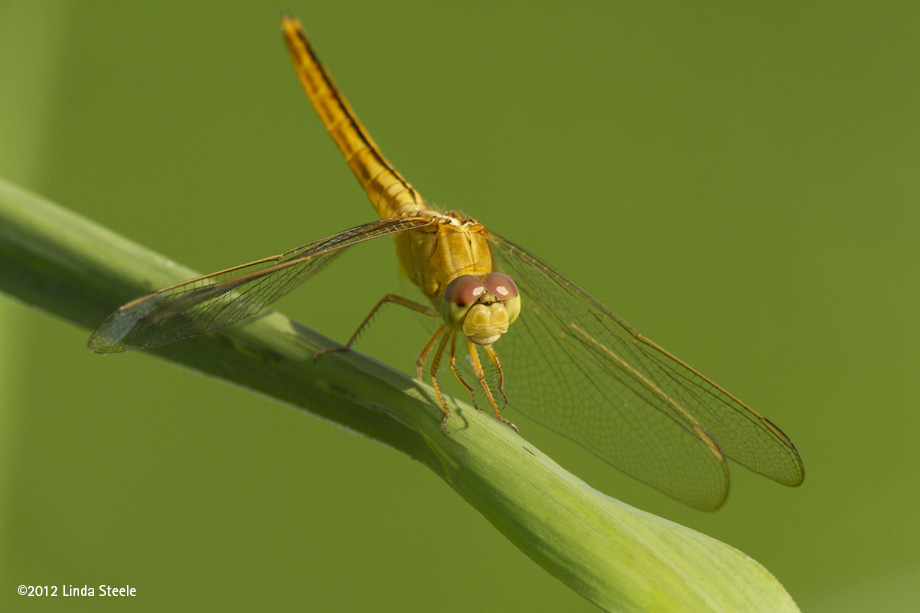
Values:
[(464, 291), (501, 286), (458, 299)]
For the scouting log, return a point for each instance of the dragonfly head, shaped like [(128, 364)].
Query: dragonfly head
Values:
[(481, 308)]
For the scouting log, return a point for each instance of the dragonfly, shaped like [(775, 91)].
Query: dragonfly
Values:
[(567, 361)]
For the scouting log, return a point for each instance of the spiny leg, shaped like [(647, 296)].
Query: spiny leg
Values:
[(395, 299), (423, 354), (480, 374), (453, 368), (435, 363), (501, 375)]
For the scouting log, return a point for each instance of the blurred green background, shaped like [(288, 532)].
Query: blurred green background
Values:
[(741, 183)]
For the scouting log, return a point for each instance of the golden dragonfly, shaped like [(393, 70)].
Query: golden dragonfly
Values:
[(572, 365)]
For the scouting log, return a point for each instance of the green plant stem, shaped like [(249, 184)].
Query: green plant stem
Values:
[(618, 557)]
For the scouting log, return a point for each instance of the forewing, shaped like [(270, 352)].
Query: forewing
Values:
[(208, 303), (578, 369)]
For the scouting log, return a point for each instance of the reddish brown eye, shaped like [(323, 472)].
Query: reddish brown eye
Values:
[(464, 290), (501, 286)]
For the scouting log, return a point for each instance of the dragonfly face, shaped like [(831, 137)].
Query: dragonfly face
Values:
[(481, 308)]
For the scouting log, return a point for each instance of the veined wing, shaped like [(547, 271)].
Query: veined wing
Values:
[(575, 367), (207, 303)]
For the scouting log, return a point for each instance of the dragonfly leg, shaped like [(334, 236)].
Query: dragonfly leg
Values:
[(453, 368), (435, 363), (477, 370), (423, 354), (501, 375), (395, 299)]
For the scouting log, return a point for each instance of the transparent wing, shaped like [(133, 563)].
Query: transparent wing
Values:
[(207, 303), (576, 368)]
